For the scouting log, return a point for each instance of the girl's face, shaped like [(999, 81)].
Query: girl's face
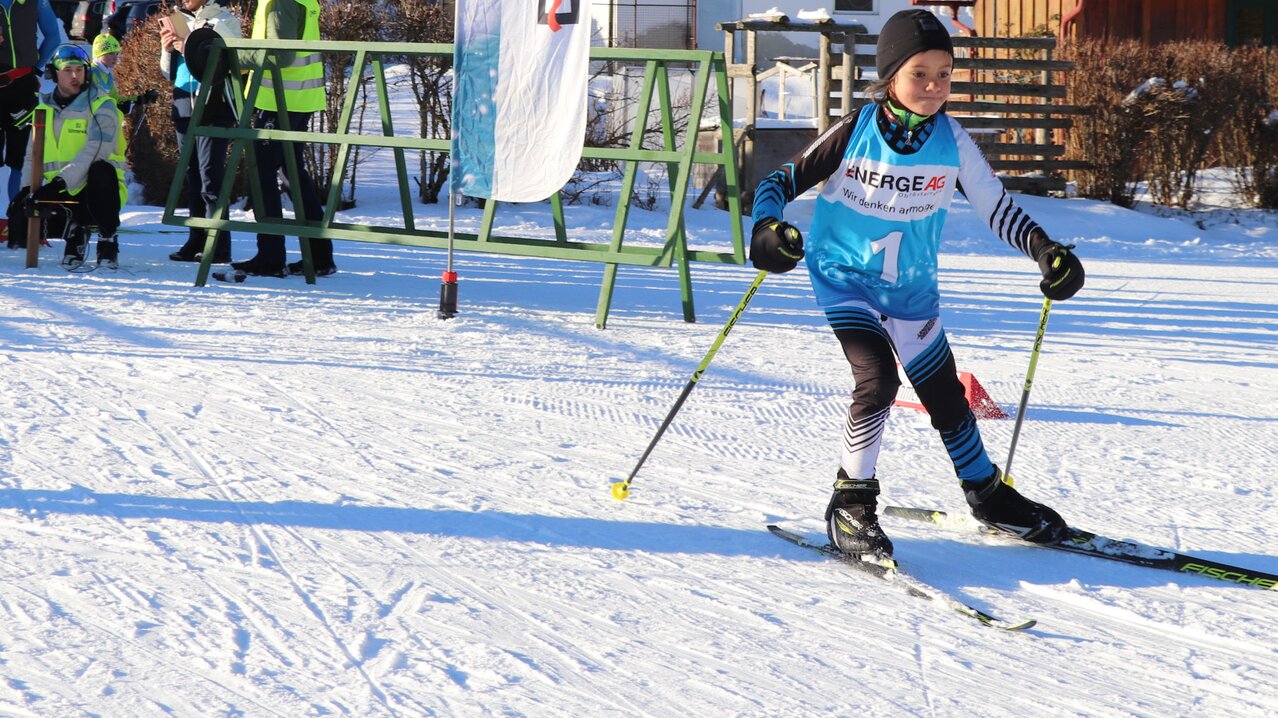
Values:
[(922, 84)]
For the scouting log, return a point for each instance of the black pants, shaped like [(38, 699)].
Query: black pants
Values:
[(17, 99), (271, 174), (203, 181)]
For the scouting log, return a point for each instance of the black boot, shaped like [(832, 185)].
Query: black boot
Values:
[(320, 271), (259, 268), (999, 506), (73, 254), (108, 253), (850, 519)]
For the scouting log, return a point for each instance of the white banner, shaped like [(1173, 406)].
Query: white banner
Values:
[(519, 109)]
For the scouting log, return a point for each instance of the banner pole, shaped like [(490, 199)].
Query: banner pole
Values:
[(448, 284)]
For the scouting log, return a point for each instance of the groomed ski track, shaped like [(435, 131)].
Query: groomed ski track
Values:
[(267, 499)]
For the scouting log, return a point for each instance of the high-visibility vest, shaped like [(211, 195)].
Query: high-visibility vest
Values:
[(304, 77), (66, 134), (104, 80)]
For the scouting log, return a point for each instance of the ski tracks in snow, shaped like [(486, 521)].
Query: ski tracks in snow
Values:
[(267, 503), (265, 544)]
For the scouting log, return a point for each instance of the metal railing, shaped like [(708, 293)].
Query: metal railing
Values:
[(678, 154)]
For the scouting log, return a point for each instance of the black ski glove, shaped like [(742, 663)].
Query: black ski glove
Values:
[(149, 97), (775, 246), (1062, 272), (51, 191)]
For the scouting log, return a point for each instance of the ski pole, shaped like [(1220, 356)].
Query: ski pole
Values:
[(1029, 382), (621, 490)]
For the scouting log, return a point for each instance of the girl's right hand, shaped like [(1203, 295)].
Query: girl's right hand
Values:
[(775, 246)]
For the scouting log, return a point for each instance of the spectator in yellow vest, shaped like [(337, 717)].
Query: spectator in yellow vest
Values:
[(82, 175), (106, 53), (303, 76)]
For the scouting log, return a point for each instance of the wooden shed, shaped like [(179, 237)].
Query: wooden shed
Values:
[(1233, 22)]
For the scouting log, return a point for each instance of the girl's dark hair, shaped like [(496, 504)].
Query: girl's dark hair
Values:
[(878, 90)]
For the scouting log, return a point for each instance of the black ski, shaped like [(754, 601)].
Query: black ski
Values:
[(889, 571), (1090, 544)]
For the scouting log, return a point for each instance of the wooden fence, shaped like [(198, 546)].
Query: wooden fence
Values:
[(1008, 92)]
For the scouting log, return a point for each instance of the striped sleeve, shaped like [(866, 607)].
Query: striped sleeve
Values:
[(988, 197), (814, 164)]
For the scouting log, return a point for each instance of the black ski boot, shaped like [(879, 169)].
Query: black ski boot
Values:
[(73, 254), (851, 522), (108, 253), (999, 506)]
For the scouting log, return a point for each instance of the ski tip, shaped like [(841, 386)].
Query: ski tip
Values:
[(999, 623), (906, 512)]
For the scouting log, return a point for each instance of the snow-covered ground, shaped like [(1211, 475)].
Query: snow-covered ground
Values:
[(275, 499)]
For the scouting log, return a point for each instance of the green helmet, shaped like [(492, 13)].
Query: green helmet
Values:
[(69, 54)]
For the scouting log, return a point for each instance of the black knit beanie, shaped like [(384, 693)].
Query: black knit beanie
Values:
[(906, 34)]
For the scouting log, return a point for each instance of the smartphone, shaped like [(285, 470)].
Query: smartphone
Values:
[(167, 24)]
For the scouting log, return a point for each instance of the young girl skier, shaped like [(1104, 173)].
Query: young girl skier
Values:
[(890, 172)]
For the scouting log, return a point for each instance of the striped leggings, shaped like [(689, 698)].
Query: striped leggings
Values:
[(872, 344)]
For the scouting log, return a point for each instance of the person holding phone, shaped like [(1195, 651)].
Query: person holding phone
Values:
[(204, 174), (304, 95)]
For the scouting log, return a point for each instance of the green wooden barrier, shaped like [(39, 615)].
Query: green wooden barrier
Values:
[(678, 157)]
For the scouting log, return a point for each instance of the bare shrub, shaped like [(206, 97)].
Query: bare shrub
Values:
[(613, 118), (152, 148), (431, 82), (1161, 114), (343, 21), (1180, 124), (1108, 134), (1248, 137)]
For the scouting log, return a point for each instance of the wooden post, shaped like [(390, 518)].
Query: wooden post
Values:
[(38, 121), (823, 83), (1041, 134), (751, 109), (849, 72)]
